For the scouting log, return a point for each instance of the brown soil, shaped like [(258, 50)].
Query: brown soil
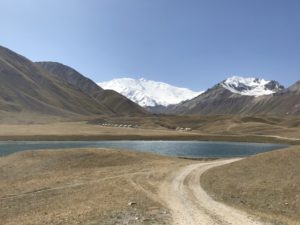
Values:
[(83, 186)]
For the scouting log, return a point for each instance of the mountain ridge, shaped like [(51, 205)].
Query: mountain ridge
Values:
[(27, 87), (234, 95), (251, 86), (221, 100), (28, 92), (116, 102), (54, 89)]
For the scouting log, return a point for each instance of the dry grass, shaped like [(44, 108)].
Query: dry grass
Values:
[(267, 184), (222, 128), (94, 187), (83, 186)]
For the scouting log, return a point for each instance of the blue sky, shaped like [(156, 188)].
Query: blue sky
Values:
[(187, 43)]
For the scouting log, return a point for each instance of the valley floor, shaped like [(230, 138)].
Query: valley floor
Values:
[(89, 186), (101, 186), (149, 130)]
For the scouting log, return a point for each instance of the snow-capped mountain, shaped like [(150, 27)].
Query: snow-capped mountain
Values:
[(148, 92), (237, 95), (251, 86)]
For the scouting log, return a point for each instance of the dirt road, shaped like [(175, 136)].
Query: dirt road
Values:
[(190, 204)]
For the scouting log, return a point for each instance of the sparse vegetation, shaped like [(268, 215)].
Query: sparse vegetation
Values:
[(220, 128), (83, 186), (267, 185)]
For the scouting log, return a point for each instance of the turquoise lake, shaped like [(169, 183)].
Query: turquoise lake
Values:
[(191, 149)]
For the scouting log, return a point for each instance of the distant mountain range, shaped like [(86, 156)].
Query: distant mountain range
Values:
[(235, 95), (41, 89), (148, 93), (243, 96), (44, 89), (116, 102), (251, 86)]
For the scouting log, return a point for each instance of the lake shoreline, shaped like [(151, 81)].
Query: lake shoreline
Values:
[(191, 137), (180, 149)]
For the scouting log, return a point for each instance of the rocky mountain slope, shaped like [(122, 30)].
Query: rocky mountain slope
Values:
[(251, 86), (244, 96), (25, 86), (113, 100), (53, 89), (28, 89)]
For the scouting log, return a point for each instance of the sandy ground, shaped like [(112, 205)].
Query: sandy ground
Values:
[(92, 186)]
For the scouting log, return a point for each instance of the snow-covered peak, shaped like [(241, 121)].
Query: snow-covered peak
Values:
[(148, 92), (251, 86)]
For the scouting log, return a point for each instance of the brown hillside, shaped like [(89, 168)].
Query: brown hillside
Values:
[(25, 87), (219, 100), (111, 99)]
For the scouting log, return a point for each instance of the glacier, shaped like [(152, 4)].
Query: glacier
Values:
[(148, 92)]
